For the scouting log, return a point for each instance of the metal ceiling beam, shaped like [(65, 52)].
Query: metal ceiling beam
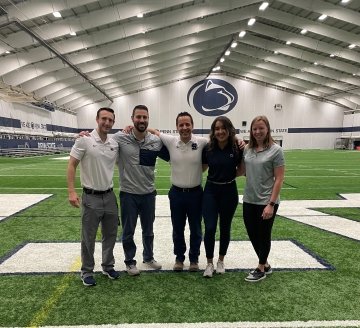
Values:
[(55, 52)]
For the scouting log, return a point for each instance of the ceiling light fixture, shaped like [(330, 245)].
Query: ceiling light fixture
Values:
[(227, 53), (233, 45), (316, 64), (141, 15), (56, 14), (222, 60), (345, 1), (72, 33), (263, 6), (352, 46), (276, 52), (322, 17), (7, 51), (242, 34), (251, 21), (288, 42), (303, 31), (332, 55)]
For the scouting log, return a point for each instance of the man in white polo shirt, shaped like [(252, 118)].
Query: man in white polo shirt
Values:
[(97, 156), (185, 194)]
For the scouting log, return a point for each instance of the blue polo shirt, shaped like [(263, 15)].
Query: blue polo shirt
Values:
[(222, 162)]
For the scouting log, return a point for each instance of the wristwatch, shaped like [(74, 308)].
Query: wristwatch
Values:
[(272, 204)]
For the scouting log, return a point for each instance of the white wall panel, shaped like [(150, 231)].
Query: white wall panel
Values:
[(300, 112)]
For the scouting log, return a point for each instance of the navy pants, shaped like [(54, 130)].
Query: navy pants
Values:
[(132, 206), (219, 204), (186, 204), (258, 229)]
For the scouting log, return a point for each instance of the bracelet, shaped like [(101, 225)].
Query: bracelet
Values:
[(271, 204)]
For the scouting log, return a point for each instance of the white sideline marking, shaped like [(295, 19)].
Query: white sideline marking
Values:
[(298, 210), (39, 257), (13, 203), (240, 324), (62, 158)]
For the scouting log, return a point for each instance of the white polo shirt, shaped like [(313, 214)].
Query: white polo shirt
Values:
[(97, 161), (185, 160)]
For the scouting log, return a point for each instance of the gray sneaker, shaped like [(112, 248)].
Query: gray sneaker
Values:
[(153, 265), (268, 270), (255, 276), (220, 268), (132, 270), (208, 273), (178, 266), (194, 267)]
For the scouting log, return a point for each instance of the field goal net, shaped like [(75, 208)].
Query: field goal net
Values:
[(342, 143)]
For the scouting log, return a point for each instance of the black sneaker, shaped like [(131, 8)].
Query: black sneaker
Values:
[(112, 274), (255, 275), (268, 270), (88, 281)]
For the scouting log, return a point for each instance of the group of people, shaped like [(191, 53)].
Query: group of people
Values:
[(135, 151)]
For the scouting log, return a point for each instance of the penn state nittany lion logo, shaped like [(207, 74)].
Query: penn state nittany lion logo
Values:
[(212, 97)]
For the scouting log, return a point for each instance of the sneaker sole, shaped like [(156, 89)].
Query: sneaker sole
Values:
[(88, 285), (110, 277), (253, 280), (133, 274), (221, 272), (207, 276)]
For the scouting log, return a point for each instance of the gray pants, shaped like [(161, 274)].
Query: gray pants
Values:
[(98, 209)]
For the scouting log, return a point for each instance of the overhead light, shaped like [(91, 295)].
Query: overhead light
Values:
[(352, 46), (263, 6), (332, 55), (322, 17), (141, 15), (251, 21), (222, 60), (345, 1), (233, 45), (227, 53), (288, 42), (276, 52), (316, 64), (354, 74), (303, 31), (242, 34), (7, 51), (56, 14), (217, 68), (72, 33)]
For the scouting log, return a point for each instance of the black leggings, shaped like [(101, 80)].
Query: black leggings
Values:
[(259, 230)]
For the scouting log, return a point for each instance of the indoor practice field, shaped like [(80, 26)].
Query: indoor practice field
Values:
[(330, 293)]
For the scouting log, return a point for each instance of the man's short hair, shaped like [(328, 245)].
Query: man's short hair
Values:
[(143, 107), (108, 109), (184, 114)]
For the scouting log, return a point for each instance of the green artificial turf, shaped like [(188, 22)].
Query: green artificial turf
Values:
[(287, 295)]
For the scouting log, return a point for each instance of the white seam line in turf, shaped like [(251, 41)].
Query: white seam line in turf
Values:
[(239, 324)]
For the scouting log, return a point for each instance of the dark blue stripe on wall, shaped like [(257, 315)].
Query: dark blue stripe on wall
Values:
[(322, 130), (10, 122), (207, 131), (59, 128)]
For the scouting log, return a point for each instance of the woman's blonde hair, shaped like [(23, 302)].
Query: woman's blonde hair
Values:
[(268, 139)]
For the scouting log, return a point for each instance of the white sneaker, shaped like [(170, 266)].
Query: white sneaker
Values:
[(132, 270), (208, 273), (153, 265), (220, 268)]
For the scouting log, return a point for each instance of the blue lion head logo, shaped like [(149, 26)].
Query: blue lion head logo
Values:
[(212, 97)]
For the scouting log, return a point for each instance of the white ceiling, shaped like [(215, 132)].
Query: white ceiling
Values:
[(116, 53)]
